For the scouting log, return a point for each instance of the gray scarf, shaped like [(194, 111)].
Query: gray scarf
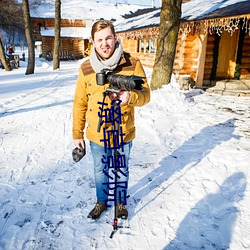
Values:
[(110, 64)]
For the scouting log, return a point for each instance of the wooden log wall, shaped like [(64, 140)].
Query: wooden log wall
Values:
[(146, 59), (66, 44), (79, 46), (190, 56), (178, 61), (185, 59), (73, 45), (131, 46), (186, 55), (47, 45), (50, 22)]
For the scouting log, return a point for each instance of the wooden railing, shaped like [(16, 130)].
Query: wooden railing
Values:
[(64, 55)]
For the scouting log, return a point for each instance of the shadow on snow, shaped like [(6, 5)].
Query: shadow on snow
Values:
[(190, 153), (22, 110), (210, 223), (215, 221)]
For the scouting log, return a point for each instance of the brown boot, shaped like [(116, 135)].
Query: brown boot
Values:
[(97, 210), (121, 211)]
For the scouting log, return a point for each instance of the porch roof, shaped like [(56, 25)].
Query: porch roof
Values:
[(209, 9), (194, 10), (76, 32)]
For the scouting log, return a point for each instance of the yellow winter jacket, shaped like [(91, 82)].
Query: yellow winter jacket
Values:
[(88, 94)]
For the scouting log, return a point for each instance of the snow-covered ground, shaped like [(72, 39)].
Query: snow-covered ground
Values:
[(189, 169)]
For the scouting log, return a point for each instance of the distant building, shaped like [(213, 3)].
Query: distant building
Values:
[(75, 36)]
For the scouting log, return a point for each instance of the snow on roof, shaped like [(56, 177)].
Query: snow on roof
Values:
[(79, 32), (192, 10), (197, 9), (145, 20), (85, 10)]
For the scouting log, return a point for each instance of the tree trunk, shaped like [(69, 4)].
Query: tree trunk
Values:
[(3, 57), (168, 34), (28, 33), (56, 59)]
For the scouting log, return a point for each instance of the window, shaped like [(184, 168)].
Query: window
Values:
[(146, 45)]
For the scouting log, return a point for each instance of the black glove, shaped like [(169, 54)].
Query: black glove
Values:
[(78, 153)]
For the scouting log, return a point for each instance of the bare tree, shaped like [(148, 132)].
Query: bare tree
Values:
[(56, 59), (36, 3), (11, 16), (28, 33), (11, 24), (168, 34), (3, 57)]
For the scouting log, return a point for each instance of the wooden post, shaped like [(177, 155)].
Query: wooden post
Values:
[(140, 42), (201, 60), (144, 45)]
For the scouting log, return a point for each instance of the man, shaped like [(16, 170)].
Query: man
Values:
[(108, 54)]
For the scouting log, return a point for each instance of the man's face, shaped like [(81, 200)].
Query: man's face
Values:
[(104, 42)]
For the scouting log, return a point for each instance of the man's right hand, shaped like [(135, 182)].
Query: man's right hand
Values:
[(79, 143)]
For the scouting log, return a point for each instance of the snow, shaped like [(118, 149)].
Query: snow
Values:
[(84, 33), (189, 169), (145, 20), (155, 3), (86, 10), (192, 10), (197, 9)]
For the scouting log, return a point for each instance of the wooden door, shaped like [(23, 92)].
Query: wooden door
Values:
[(227, 55)]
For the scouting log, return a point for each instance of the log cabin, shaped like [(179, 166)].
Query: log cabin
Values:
[(74, 37), (213, 41)]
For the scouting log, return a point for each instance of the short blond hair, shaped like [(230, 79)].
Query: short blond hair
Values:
[(100, 25)]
